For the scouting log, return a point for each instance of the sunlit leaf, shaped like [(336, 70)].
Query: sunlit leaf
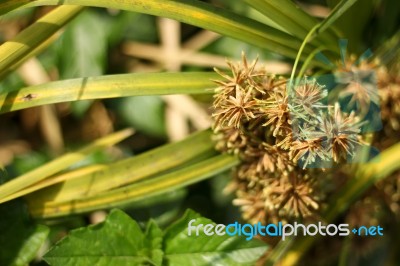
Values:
[(13, 51), (120, 241), (137, 191), (195, 13), (117, 241), (290, 17), (59, 164), (92, 180), (111, 86)]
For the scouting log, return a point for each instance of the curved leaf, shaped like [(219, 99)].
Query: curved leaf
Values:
[(290, 17), (59, 164), (195, 13), (338, 11), (12, 52), (137, 191), (93, 180), (111, 86), (35, 51)]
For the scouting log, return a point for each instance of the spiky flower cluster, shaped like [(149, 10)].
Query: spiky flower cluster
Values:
[(274, 127), (285, 132)]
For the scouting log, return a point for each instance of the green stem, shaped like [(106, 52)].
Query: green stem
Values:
[(309, 36), (309, 59)]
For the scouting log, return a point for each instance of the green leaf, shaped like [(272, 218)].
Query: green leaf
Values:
[(16, 50), (11, 83), (29, 161), (380, 167), (336, 13), (10, 7), (20, 237), (181, 249), (145, 113), (117, 241), (137, 191), (92, 180), (35, 51), (110, 86), (289, 16), (59, 164), (195, 13), (132, 26), (79, 108), (83, 47), (362, 10), (120, 241)]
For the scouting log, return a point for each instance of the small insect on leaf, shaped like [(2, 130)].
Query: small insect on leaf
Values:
[(29, 97)]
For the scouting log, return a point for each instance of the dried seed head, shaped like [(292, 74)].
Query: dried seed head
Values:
[(277, 113), (252, 205), (308, 152), (342, 133), (307, 98), (271, 132), (232, 111), (292, 195)]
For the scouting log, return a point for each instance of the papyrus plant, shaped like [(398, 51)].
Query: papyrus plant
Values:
[(271, 129)]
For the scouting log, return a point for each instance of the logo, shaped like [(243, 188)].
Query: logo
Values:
[(280, 230)]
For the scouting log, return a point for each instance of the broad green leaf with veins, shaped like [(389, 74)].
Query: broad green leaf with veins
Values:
[(120, 241)]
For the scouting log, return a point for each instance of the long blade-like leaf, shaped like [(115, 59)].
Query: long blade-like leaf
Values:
[(195, 13), (335, 14), (13, 51), (126, 171), (68, 176), (59, 164), (45, 44), (290, 17), (138, 191), (107, 87)]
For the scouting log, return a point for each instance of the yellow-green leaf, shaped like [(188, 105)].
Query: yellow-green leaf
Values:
[(195, 13), (137, 191), (111, 86), (12, 52), (59, 164), (134, 169), (290, 17)]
